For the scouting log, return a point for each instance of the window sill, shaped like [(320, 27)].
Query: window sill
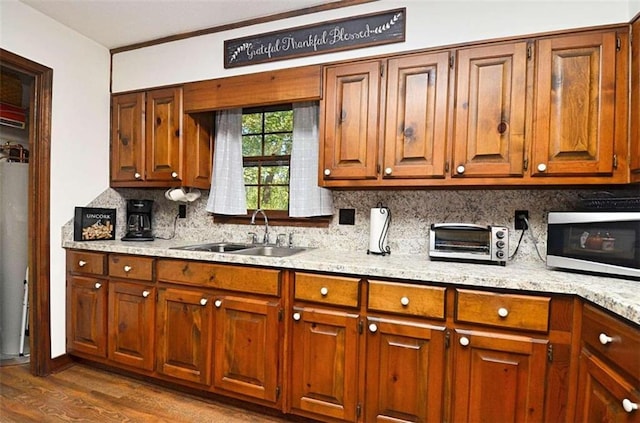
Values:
[(276, 220)]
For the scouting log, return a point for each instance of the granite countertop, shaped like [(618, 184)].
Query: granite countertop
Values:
[(620, 296)]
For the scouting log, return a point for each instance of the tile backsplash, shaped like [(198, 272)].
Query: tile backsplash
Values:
[(413, 211)]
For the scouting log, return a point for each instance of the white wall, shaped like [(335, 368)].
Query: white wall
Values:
[(79, 127), (429, 23), (634, 8)]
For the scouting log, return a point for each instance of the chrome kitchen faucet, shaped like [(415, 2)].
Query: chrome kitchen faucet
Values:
[(265, 239)]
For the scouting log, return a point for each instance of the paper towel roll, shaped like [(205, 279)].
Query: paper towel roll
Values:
[(379, 226)]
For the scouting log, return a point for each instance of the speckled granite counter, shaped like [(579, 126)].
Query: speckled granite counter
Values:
[(619, 296)]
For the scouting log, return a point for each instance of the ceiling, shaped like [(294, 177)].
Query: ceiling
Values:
[(118, 23)]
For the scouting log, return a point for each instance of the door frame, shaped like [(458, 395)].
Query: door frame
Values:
[(39, 254)]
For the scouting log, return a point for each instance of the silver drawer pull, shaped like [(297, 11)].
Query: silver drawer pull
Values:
[(174, 175), (137, 175), (404, 301), (203, 301), (296, 316), (218, 303), (127, 269), (503, 312), (373, 328), (605, 339), (97, 285), (628, 405), (82, 263), (324, 291), (464, 341), (145, 293)]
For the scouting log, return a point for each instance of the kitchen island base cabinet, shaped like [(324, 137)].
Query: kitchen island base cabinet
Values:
[(184, 334), (498, 378), (87, 315), (324, 363), (246, 348), (405, 371)]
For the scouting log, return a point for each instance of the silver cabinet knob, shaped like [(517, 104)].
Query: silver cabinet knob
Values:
[(127, 269), (388, 171), (296, 316), (605, 339), (97, 285), (404, 301), (324, 291), (373, 328), (460, 169), (503, 312), (145, 293), (464, 341), (628, 405), (137, 175), (174, 175), (542, 167), (218, 303), (327, 172), (203, 301), (82, 263)]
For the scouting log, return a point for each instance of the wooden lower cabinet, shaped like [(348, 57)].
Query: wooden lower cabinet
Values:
[(405, 373), (131, 324), (87, 315), (184, 332), (324, 364), (247, 347), (498, 377)]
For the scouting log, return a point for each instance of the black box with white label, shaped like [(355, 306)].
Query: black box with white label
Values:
[(94, 224)]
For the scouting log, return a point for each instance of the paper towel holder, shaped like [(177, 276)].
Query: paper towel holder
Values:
[(377, 241)]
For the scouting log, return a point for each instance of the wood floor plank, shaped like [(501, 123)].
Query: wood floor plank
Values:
[(85, 394)]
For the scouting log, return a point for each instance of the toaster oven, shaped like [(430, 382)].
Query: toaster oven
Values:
[(469, 242)]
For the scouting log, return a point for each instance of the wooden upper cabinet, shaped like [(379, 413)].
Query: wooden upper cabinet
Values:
[(489, 118), (163, 134), (350, 126), (127, 137), (635, 103), (416, 110), (575, 105), (198, 143)]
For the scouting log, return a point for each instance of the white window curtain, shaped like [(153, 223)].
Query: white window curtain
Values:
[(306, 198), (227, 194)]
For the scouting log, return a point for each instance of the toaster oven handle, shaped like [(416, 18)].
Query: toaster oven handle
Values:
[(460, 226)]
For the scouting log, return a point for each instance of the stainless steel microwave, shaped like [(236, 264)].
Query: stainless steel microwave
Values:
[(595, 242)]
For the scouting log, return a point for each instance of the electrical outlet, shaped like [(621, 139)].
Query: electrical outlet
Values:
[(519, 222), (182, 211)]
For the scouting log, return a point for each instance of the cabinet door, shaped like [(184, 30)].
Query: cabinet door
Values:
[(87, 315), (198, 157), (163, 144), (131, 324), (351, 101), (127, 137), (246, 347), (601, 392), (405, 372), (324, 362), (416, 116), (498, 378), (635, 102), (575, 105), (184, 330), (489, 125)]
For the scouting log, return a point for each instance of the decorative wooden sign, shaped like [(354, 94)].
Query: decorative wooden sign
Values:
[(343, 34)]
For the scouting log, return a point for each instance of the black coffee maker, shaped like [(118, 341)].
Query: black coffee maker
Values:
[(139, 220)]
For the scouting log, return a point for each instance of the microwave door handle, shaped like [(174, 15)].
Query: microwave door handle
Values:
[(460, 226)]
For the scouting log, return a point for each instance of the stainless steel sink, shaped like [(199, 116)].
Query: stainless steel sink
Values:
[(215, 247), (270, 251)]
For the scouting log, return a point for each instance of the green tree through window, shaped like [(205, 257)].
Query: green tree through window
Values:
[(267, 135)]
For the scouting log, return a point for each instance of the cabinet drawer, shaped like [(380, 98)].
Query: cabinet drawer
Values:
[(86, 262), (233, 278), (131, 267), (334, 290), (424, 301), (503, 310), (613, 339)]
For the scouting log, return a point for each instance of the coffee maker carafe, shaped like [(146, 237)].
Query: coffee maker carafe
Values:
[(139, 220)]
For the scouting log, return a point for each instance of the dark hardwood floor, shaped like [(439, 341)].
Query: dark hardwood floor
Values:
[(85, 394)]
